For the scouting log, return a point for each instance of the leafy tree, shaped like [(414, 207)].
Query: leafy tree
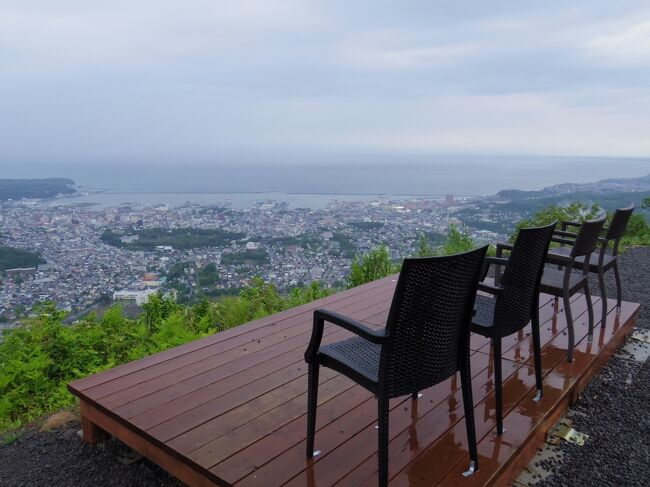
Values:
[(156, 309), (646, 203), (371, 266), (306, 294), (263, 298), (424, 247), (576, 211), (637, 232), (458, 241)]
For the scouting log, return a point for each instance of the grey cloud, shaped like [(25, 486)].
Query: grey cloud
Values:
[(164, 79)]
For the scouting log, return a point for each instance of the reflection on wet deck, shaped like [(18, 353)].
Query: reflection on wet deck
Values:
[(230, 409)]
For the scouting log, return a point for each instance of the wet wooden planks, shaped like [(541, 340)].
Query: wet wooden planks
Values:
[(230, 409)]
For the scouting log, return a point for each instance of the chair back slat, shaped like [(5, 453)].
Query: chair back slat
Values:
[(619, 223), (521, 278), (587, 237), (428, 323)]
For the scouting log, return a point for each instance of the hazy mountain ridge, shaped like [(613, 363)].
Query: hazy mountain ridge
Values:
[(604, 186), (13, 189)]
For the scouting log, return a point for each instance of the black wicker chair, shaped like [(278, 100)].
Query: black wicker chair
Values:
[(565, 283), (515, 301), (425, 341), (606, 260)]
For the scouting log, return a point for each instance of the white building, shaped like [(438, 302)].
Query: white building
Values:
[(140, 297)]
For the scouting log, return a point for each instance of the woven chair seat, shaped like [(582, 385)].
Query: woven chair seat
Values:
[(358, 354), (553, 282), (608, 260), (484, 307)]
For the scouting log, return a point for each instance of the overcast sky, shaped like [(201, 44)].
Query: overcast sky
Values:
[(189, 80)]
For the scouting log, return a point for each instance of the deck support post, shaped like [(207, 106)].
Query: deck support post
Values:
[(92, 433)]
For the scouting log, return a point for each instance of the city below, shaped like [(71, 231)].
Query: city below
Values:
[(85, 257)]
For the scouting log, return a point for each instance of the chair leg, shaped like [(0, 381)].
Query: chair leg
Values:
[(382, 451), (590, 312), (498, 387), (468, 406), (312, 400), (603, 297), (569, 323), (619, 291), (537, 353)]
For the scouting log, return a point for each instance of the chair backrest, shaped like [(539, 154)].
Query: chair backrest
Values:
[(619, 221), (428, 322), (522, 277), (587, 237)]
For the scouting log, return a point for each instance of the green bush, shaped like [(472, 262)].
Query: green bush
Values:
[(371, 266), (458, 241), (39, 358), (637, 233), (576, 211)]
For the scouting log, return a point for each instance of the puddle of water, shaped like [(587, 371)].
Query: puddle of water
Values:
[(639, 349)]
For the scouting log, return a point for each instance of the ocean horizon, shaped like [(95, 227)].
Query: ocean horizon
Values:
[(295, 183)]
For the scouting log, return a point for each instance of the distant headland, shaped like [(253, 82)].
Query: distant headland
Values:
[(15, 189)]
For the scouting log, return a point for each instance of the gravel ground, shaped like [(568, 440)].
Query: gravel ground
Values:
[(60, 458), (614, 411)]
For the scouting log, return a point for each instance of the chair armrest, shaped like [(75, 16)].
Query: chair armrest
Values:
[(501, 246), (350, 324), (490, 288), (504, 246), (558, 259), (568, 223), (356, 327), (496, 260), (561, 240), (562, 233), (491, 260)]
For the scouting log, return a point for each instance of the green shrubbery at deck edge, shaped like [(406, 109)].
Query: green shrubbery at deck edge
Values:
[(40, 357)]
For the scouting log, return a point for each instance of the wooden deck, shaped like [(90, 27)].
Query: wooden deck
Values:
[(230, 409)]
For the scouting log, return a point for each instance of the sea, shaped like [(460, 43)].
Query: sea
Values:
[(312, 184)]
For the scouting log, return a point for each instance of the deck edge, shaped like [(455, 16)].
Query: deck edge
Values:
[(508, 473)]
